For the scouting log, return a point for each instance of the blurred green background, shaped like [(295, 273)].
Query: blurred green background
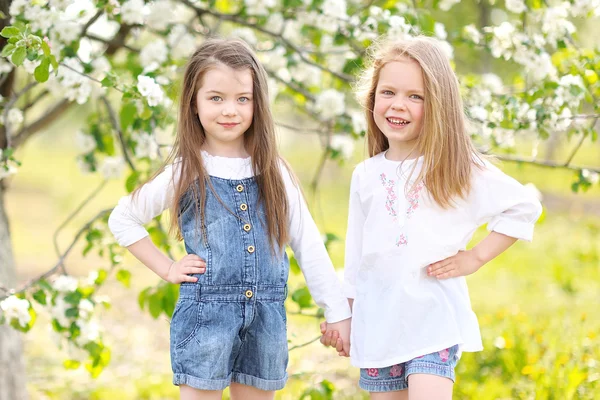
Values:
[(537, 303)]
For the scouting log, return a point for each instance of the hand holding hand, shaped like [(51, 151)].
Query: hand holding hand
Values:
[(337, 335)]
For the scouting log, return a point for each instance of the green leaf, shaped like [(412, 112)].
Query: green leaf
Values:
[(155, 305), (42, 71), (7, 50), (46, 48), (10, 31), (19, 56), (54, 64), (40, 297), (45, 285), (109, 81), (302, 297), (124, 277), (132, 181), (128, 113), (73, 298), (294, 267), (170, 295), (72, 312), (102, 275)]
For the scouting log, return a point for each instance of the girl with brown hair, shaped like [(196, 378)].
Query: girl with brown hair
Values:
[(236, 205)]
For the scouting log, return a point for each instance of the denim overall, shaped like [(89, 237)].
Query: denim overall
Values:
[(230, 325)]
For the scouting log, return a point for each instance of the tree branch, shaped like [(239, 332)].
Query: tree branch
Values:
[(115, 123), (53, 270), (304, 344), (51, 115), (546, 164)]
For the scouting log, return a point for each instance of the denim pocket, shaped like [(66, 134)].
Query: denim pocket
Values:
[(185, 322)]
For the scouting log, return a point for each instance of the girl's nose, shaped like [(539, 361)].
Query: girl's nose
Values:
[(398, 105), (229, 110)]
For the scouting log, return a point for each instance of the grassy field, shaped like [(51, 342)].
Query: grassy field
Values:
[(537, 303)]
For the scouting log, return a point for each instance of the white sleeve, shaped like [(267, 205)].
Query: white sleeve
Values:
[(128, 217), (354, 238), (309, 250), (504, 204)]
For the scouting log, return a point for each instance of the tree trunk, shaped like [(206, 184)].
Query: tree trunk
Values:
[(12, 371)]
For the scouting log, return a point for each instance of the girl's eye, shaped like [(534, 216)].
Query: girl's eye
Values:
[(387, 92), (216, 98), (416, 96), (243, 99)]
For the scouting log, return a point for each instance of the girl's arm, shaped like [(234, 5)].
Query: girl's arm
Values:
[(354, 238), (127, 220), (309, 250), (510, 211)]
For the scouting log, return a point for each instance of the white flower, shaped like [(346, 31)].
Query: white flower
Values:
[(132, 12), (61, 4), (65, 283), (359, 124), (445, 5), (307, 74), (30, 66), (564, 119), (591, 176), (14, 117), (5, 66), (515, 6), (13, 307), (86, 308), (492, 82), (146, 145), (92, 277), (478, 113), (275, 22), (259, 7), (398, 26), (245, 34), (330, 103), (58, 312), (500, 342), (542, 67), (67, 31), (343, 144), (440, 31), (112, 167), (5, 173), (571, 80), (40, 18), (17, 7), (447, 49), (275, 60), (154, 52), (182, 43), (89, 331), (85, 142), (472, 33), (335, 8), (101, 65), (161, 15), (151, 90)]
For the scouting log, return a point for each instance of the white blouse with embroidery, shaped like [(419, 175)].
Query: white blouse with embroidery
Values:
[(394, 232), (127, 220)]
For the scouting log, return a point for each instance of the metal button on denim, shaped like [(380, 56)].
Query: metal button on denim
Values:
[(239, 188), (243, 206), (247, 227), (249, 294), (250, 249)]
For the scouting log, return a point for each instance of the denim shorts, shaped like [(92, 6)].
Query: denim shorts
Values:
[(223, 334), (395, 377)]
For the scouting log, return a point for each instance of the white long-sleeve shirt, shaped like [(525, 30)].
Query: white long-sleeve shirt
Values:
[(394, 233), (127, 220)]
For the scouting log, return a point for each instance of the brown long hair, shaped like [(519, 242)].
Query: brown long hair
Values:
[(448, 153), (259, 139)]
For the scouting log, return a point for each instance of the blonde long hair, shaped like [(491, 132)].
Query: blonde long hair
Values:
[(259, 139), (449, 156)]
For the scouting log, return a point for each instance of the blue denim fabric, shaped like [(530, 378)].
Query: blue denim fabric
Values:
[(389, 379), (230, 326)]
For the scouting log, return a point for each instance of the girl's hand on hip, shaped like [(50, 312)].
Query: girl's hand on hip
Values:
[(180, 271), (462, 264)]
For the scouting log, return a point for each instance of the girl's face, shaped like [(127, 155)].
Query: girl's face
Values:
[(399, 104), (225, 107)]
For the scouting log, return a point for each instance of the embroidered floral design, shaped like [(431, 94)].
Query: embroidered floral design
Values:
[(413, 199), (373, 372), (390, 201), (395, 371), (402, 240), (444, 354)]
